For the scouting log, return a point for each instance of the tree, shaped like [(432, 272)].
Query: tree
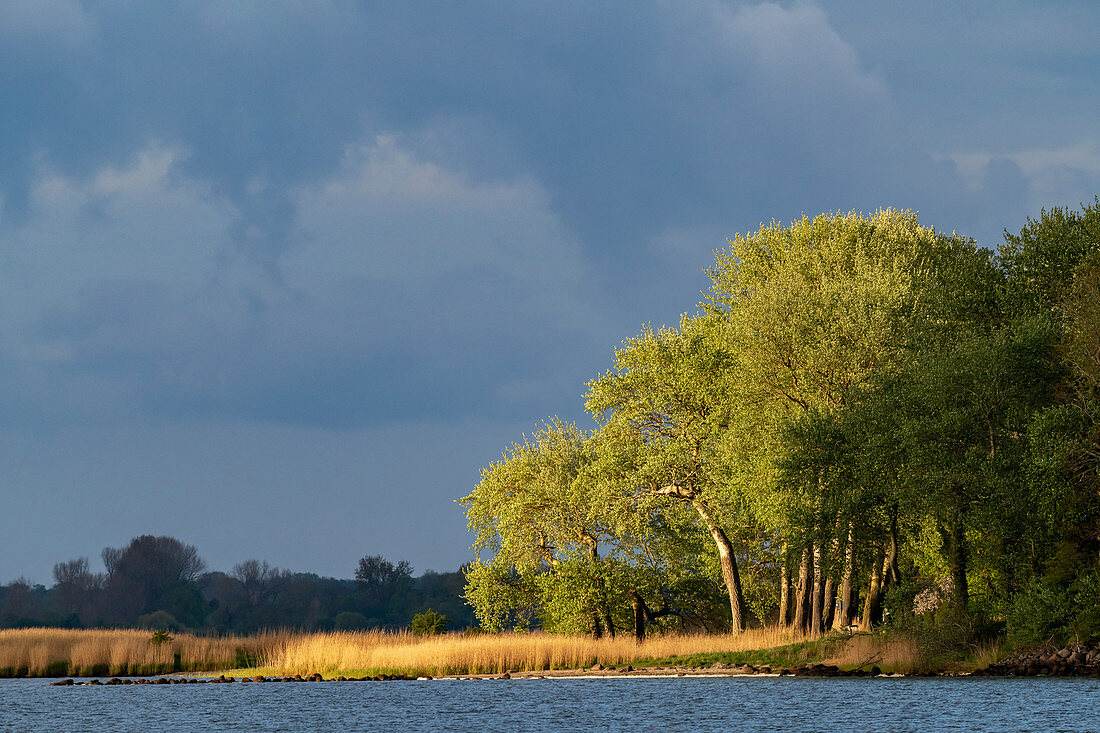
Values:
[(567, 550), (665, 411), (381, 585), (536, 514), (153, 573), (77, 587), (429, 623), (822, 312), (1052, 269)]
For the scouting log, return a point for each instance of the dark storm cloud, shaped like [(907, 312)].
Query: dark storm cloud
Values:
[(341, 217)]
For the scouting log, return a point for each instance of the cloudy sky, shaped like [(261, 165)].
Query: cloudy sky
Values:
[(277, 278)]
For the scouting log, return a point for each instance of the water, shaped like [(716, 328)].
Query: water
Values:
[(627, 704)]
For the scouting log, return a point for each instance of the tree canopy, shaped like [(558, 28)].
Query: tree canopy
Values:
[(862, 410)]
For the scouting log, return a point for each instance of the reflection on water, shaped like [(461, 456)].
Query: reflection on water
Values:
[(665, 704)]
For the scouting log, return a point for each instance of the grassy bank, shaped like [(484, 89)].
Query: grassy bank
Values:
[(64, 652), (889, 654)]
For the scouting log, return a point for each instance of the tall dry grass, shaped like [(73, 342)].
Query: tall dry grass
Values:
[(889, 653), (74, 652), (453, 654), (69, 652)]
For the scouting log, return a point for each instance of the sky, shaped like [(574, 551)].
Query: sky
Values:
[(279, 278)]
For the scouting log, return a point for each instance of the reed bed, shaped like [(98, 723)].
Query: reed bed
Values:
[(40, 652), (890, 653), (329, 653), (70, 652)]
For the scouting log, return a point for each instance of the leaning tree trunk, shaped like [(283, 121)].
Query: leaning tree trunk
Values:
[(728, 561), (726, 557), (829, 613), (644, 615), (890, 573)]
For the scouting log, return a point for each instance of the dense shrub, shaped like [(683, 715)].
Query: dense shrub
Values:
[(1047, 611), (429, 623)]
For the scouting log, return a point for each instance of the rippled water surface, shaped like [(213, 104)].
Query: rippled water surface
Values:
[(635, 704)]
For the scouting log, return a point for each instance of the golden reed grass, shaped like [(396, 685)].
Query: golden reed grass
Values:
[(889, 653), (328, 653), (71, 652), (41, 652)]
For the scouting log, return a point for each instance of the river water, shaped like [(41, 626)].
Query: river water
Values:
[(627, 704)]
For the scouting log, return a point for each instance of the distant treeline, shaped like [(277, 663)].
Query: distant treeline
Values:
[(866, 422), (162, 583)]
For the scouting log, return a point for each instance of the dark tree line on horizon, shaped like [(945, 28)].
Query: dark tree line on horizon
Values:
[(162, 583), (866, 422)]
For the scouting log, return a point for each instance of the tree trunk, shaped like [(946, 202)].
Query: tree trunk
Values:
[(597, 630), (728, 561), (872, 602), (802, 593), (846, 601), (644, 615), (958, 557), (830, 576), (830, 602), (817, 607), (890, 572), (603, 603), (639, 615), (784, 592)]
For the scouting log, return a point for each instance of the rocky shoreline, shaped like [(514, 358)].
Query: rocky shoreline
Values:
[(1075, 660)]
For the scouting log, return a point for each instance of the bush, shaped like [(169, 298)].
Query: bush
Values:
[(429, 623), (159, 620), (1048, 611), (58, 668), (242, 659), (160, 636)]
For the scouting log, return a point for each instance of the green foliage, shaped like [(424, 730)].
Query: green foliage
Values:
[(854, 385), (502, 598), (1043, 260), (160, 636), (788, 655), (1051, 611), (57, 668), (429, 623), (242, 659)]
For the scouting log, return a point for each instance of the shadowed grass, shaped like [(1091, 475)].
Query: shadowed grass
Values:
[(38, 652), (889, 653)]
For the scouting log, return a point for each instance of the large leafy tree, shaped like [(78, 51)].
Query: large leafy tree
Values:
[(823, 312), (1052, 270), (665, 410), (537, 517)]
